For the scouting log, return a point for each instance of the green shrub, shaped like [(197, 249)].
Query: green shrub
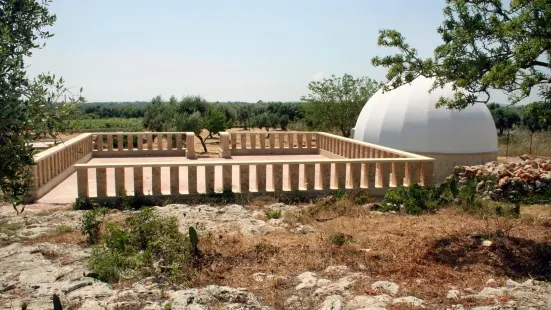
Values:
[(91, 224), (273, 214), (145, 245), (84, 204), (339, 239), (412, 199)]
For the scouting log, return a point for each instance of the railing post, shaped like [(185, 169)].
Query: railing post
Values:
[(281, 141), (209, 179), (243, 141), (355, 175), (190, 145), (192, 180), (120, 143), (156, 180), (325, 176), (340, 173), (82, 182), (224, 147), (293, 177), (101, 182), (308, 140), (272, 140), (119, 180)]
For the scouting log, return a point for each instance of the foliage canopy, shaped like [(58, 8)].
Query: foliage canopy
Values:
[(487, 44)]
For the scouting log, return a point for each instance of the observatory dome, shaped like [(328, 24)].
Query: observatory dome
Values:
[(407, 119)]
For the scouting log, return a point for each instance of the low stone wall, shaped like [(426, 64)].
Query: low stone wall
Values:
[(444, 164)]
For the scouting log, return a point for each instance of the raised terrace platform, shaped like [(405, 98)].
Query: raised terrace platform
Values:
[(159, 164)]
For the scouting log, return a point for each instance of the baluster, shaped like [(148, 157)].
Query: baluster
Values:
[(291, 138), (169, 142), (244, 178), (293, 176), (281, 141), (119, 180), (355, 175), (253, 140), (209, 179), (156, 180), (277, 177), (325, 176), (262, 138), (192, 179), (130, 142), (310, 175), (233, 140), (272, 141), (179, 141), (149, 142), (261, 178), (383, 177), (101, 182), (426, 171), (99, 143), (227, 177), (138, 181), (82, 182), (340, 173), (398, 171), (299, 140), (174, 180), (308, 140), (140, 142), (243, 141), (109, 142), (160, 142)]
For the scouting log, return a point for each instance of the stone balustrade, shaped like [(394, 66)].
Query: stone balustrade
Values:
[(334, 146), (271, 143), (55, 164), (136, 144), (375, 175)]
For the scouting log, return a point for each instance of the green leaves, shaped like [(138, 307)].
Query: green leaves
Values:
[(486, 45), (31, 109), (335, 103)]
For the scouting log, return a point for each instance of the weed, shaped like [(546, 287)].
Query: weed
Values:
[(91, 222), (412, 199), (273, 214), (84, 204), (339, 239), (146, 245), (168, 306)]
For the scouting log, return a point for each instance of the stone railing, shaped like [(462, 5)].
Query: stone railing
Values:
[(189, 178), (55, 164), (334, 146), (135, 144), (268, 143)]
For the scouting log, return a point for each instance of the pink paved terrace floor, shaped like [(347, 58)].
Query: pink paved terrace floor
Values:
[(66, 191)]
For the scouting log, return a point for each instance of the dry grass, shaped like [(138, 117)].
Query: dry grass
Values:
[(59, 234), (519, 143), (425, 254)]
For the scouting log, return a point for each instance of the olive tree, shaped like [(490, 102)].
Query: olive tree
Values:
[(31, 108), (336, 102), (486, 45)]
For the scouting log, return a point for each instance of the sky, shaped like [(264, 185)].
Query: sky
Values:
[(222, 50)]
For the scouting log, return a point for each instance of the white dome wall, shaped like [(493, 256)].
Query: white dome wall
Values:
[(407, 119)]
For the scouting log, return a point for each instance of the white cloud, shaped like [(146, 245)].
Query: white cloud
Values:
[(318, 76)]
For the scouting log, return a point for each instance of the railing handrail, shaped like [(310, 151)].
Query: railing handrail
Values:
[(139, 132), (49, 152), (252, 162), (374, 146), (269, 132)]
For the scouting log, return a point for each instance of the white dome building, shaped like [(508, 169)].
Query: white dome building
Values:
[(407, 119)]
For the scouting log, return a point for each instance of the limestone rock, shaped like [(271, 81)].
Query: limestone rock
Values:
[(333, 302), (386, 286), (410, 301), (369, 302)]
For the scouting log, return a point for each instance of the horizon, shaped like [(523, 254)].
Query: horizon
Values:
[(255, 51)]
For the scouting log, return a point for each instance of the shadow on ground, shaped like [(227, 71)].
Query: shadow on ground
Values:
[(509, 256)]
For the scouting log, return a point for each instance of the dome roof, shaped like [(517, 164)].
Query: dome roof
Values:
[(407, 119)]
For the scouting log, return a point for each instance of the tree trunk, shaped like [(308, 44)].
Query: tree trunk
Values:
[(531, 136), (202, 143), (507, 149)]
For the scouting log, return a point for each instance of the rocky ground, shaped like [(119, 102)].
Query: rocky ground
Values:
[(42, 253)]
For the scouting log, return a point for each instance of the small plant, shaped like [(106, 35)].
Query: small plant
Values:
[(91, 224), (125, 201), (467, 195), (339, 239), (340, 194), (146, 245), (168, 306), (273, 214), (193, 240), (413, 199), (84, 204)]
